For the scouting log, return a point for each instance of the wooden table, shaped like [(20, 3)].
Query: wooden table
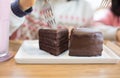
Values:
[(10, 69)]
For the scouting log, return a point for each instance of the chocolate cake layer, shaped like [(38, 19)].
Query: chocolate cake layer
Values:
[(54, 43), (52, 33), (86, 42), (54, 50), (58, 42)]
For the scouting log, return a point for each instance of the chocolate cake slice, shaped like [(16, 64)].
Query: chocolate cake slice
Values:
[(85, 42), (53, 41)]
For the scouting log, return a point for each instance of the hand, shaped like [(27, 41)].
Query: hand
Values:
[(26, 4)]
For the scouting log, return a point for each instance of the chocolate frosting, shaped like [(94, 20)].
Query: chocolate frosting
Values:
[(86, 42)]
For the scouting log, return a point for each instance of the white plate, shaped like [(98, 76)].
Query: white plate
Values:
[(29, 53)]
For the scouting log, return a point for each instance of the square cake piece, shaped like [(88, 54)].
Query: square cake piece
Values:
[(86, 42), (53, 41)]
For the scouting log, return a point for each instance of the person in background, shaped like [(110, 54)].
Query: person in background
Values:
[(108, 21), (67, 14), (19, 9), (78, 13)]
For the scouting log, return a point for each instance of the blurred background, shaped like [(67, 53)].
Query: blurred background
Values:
[(34, 21)]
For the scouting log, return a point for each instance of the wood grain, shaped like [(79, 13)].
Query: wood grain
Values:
[(113, 47), (10, 69)]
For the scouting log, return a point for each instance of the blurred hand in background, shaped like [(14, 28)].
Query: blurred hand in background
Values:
[(26, 4)]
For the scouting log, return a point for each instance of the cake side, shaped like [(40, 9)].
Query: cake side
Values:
[(53, 41)]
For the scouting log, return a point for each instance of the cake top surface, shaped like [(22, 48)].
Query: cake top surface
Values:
[(81, 31), (53, 30)]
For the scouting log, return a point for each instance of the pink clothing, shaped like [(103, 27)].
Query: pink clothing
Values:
[(106, 17)]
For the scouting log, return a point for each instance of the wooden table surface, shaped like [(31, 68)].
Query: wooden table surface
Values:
[(10, 69)]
